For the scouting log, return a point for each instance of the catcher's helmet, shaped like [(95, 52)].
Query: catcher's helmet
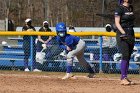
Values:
[(117, 57), (135, 51), (108, 27), (137, 57)]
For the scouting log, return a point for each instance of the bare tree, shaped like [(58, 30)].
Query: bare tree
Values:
[(72, 12), (7, 3)]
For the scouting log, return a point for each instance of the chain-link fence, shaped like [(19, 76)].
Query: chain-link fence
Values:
[(100, 54)]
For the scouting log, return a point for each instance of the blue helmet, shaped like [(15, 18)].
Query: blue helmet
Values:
[(61, 27)]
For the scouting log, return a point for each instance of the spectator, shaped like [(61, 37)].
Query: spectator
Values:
[(26, 45), (11, 25), (44, 39), (71, 29)]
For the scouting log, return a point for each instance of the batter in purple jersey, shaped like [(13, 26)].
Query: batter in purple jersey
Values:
[(124, 21)]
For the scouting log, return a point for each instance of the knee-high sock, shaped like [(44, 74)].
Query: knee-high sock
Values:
[(127, 67), (69, 69), (69, 65), (124, 69)]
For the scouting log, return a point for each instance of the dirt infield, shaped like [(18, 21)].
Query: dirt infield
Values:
[(21, 82)]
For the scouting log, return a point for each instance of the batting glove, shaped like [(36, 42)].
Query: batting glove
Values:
[(123, 36)]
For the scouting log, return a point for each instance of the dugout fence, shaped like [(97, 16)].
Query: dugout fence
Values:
[(98, 54)]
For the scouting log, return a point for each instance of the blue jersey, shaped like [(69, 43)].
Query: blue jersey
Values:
[(69, 40)]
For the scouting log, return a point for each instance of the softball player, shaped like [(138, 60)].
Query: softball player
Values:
[(124, 20), (74, 46)]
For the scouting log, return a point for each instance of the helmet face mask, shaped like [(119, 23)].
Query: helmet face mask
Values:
[(137, 57), (117, 57), (61, 34), (108, 28)]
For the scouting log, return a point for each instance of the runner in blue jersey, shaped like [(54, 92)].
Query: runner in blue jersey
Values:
[(74, 47)]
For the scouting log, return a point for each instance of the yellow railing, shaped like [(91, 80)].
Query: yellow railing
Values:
[(93, 33)]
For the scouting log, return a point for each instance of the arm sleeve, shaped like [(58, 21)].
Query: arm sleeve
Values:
[(118, 11)]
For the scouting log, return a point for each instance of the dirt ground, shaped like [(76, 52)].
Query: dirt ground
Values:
[(46, 82)]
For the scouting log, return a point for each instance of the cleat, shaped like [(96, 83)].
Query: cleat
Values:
[(26, 70), (125, 82), (131, 82), (67, 76)]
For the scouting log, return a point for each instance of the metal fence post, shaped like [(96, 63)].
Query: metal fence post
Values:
[(100, 64), (31, 52)]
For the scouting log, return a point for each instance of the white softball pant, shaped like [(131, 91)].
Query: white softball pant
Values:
[(79, 53)]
